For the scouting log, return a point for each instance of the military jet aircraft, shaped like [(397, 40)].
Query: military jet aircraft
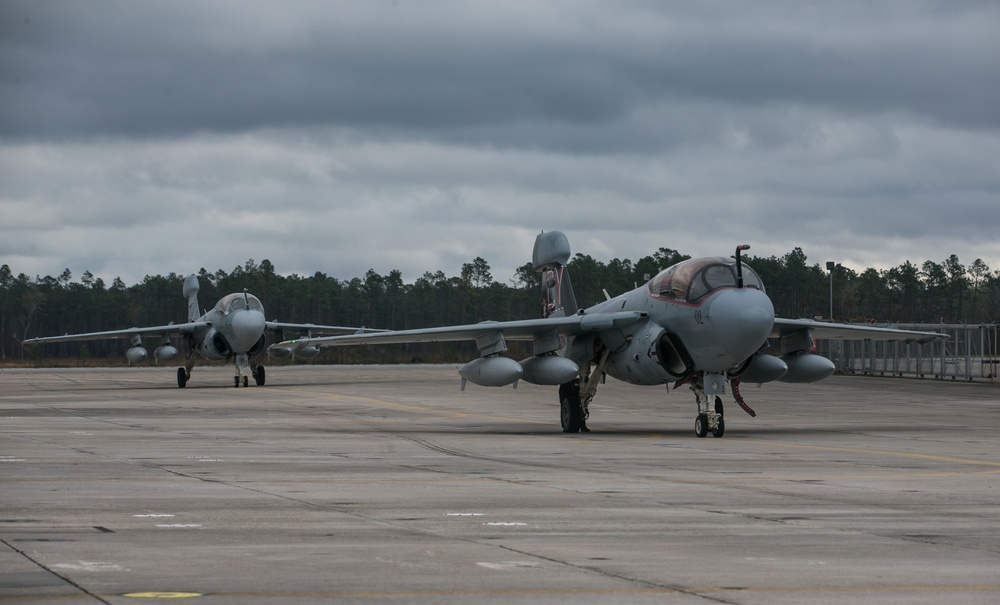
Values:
[(705, 322), (234, 330)]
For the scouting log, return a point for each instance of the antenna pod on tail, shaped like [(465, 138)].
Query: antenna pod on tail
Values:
[(550, 256), (191, 287)]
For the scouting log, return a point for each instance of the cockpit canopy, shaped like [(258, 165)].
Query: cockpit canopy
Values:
[(237, 302), (694, 279)]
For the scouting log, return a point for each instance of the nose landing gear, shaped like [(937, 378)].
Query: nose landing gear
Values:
[(709, 420)]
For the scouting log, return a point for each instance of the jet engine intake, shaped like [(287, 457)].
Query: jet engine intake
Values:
[(652, 356), (673, 356), (258, 347), (549, 369), (214, 346), (807, 367)]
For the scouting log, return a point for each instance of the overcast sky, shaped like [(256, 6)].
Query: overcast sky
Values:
[(165, 136)]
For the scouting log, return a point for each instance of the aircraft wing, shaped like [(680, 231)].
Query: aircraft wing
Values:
[(185, 328), (512, 330), (820, 329), (275, 326)]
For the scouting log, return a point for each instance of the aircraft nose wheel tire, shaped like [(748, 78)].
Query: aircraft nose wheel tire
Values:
[(701, 426), (721, 429), (236, 382), (181, 378), (246, 381)]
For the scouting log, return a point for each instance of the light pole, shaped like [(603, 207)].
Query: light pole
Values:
[(829, 267)]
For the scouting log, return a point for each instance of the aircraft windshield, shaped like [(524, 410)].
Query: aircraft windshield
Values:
[(238, 301), (693, 279)]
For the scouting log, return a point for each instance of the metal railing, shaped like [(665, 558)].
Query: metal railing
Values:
[(970, 353)]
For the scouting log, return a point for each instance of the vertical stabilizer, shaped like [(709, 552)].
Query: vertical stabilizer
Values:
[(550, 256), (191, 287)]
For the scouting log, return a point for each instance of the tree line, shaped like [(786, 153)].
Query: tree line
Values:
[(930, 293)]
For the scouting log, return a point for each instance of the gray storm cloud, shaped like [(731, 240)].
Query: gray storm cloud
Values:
[(418, 135)]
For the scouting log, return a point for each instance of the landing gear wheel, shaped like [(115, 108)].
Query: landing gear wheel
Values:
[(181, 378), (718, 406), (570, 410), (259, 376), (720, 430), (236, 381), (246, 381), (701, 426)]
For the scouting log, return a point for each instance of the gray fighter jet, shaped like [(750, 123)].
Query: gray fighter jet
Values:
[(234, 330), (705, 322)]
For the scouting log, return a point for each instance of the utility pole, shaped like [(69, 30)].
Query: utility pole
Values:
[(829, 267)]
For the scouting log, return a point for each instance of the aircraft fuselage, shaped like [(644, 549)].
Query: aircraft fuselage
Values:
[(236, 327), (712, 330)]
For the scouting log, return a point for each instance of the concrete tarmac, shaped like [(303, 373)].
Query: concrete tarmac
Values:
[(348, 484)]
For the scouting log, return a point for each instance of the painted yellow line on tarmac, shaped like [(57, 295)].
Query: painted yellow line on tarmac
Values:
[(162, 595)]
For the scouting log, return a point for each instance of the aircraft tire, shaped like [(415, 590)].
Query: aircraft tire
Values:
[(246, 381), (236, 382), (719, 409), (181, 378), (719, 432), (570, 410), (259, 376), (701, 426)]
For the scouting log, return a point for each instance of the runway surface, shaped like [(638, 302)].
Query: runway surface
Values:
[(388, 485)]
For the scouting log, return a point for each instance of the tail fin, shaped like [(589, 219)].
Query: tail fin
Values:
[(191, 287), (549, 257)]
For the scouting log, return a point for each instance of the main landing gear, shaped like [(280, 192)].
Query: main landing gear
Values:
[(571, 413), (575, 396), (184, 374)]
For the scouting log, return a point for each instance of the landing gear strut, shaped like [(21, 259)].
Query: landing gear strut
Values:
[(244, 363), (711, 421), (575, 396), (184, 374), (708, 420)]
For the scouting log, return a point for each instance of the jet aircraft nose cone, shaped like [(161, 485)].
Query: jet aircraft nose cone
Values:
[(247, 326), (742, 319)]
